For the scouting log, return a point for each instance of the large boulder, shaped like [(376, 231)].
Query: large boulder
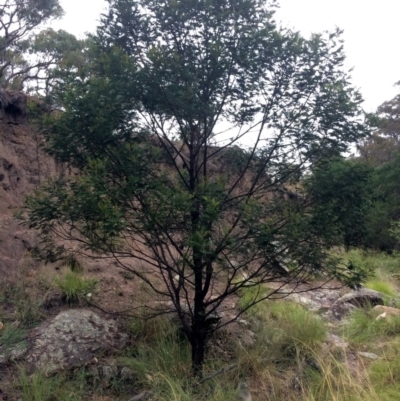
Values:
[(361, 298), (72, 339)]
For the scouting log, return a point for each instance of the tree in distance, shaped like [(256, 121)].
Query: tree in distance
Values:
[(28, 56), (342, 195), (187, 126), (383, 146)]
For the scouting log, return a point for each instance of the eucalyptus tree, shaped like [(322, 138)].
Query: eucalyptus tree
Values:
[(186, 128), (28, 54)]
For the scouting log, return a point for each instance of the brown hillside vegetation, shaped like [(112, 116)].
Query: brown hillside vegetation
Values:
[(23, 165)]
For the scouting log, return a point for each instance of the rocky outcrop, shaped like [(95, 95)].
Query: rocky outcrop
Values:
[(333, 305), (361, 298), (72, 339)]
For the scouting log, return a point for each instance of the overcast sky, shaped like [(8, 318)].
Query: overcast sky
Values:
[(371, 34)]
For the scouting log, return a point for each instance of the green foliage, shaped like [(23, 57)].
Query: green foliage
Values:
[(250, 296), (38, 387), (385, 206), (382, 152), (25, 55), (11, 337), (285, 334), (73, 287), (139, 122), (379, 263), (385, 372), (24, 306), (363, 328), (384, 287), (334, 381), (295, 330), (341, 198), (158, 342)]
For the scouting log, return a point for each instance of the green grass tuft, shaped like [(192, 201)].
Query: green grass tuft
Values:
[(37, 387), (363, 328), (384, 287), (73, 286)]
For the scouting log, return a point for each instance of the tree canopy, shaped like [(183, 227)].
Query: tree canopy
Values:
[(29, 55), (188, 126)]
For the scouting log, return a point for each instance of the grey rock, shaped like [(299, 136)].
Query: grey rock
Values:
[(336, 341), (108, 373), (339, 310), (307, 302), (12, 354), (361, 298), (93, 373), (72, 339), (127, 374), (145, 395), (243, 392), (369, 355)]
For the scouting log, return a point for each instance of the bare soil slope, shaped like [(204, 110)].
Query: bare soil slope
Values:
[(23, 165)]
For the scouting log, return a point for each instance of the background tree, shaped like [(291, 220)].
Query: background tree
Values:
[(25, 53), (341, 193), (384, 144), (381, 152), (154, 124), (384, 210)]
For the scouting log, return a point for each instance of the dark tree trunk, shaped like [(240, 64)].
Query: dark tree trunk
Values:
[(199, 329), (198, 351)]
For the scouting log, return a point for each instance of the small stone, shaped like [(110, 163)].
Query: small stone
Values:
[(89, 295), (145, 395), (369, 355), (108, 373), (336, 341), (127, 374), (381, 316), (243, 392)]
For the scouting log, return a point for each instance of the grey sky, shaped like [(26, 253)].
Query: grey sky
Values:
[(371, 34)]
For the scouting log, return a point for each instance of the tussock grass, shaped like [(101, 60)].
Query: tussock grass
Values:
[(252, 295), (37, 387), (161, 358), (385, 372), (289, 359), (383, 286), (21, 305), (375, 261), (363, 328), (74, 286), (11, 336), (335, 382)]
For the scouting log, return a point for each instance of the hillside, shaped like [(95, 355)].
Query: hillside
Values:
[(309, 345), (23, 166)]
